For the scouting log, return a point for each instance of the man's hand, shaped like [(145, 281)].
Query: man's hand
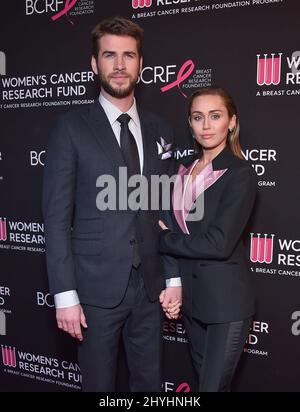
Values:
[(70, 320), (171, 301)]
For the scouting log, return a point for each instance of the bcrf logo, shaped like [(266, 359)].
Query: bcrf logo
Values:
[(141, 3), (47, 6), (162, 74), (181, 387), (37, 158), (44, 299)]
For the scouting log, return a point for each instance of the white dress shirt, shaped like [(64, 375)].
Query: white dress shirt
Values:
[(70, 297)]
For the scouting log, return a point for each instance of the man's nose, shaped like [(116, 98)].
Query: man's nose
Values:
[(119, 63)]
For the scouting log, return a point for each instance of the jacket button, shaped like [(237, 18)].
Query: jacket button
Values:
[(194, 276), (132, 241)]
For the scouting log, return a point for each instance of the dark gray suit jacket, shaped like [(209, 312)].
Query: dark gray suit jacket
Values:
[(87, 249), (217, 282)]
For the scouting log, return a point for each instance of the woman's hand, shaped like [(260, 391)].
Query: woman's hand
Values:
[(162, 225), (171, 301)]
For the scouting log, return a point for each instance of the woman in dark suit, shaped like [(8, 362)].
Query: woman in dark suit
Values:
[(218, 294)]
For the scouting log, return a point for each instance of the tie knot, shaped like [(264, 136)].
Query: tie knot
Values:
[(124, 118)]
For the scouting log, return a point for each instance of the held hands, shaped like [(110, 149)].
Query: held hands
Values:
[(70, 320), (171, 297), (171, 301)]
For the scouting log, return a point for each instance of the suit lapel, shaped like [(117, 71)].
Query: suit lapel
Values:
[(104, 134), (211, 173), (148, 143), (179, 194), (224, 160)]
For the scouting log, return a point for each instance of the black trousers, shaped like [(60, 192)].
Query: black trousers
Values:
[(216, 349), (138, 322)]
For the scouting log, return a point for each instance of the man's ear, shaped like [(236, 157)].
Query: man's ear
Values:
[(94, 65)]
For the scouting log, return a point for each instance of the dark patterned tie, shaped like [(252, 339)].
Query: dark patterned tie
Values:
[(131, 157)]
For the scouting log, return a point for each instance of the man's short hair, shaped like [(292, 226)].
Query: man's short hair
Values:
[(120, 27)]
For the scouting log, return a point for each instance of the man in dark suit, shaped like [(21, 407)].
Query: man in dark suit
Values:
[(104, 267)]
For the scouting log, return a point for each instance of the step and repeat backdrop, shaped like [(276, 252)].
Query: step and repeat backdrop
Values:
[(252, 48)]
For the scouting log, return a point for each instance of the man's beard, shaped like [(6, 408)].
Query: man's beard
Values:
[(117, 92)]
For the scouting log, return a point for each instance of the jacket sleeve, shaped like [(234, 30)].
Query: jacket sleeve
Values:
[(221, 237), (57, 205), (170, 263)]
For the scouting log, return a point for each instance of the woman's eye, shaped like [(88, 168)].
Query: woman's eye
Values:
[(197, 118), (215, 116)]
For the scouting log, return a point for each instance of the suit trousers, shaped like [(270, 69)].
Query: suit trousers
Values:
[(216, 349), (138, 322)]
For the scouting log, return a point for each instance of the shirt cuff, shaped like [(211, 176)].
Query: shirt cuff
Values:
[(66, 299), (173, 282)]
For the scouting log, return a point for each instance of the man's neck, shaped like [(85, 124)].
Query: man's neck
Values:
[(123, 104)]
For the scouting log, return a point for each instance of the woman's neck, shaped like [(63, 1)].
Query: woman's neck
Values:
[(209, 154)]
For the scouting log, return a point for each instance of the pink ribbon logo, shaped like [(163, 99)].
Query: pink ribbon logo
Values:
[(181, 76), (68, 5), (183, 387)]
